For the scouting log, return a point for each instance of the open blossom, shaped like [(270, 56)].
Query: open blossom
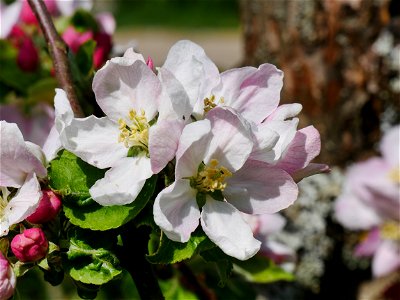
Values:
[(21, 162), (212, 165), (254, 93), (370, 201), (7, 278), (128, 139)]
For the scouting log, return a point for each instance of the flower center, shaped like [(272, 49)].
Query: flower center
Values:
[(3, 201), (210, 103), (211, 178), (391, 230), (394, 175), (135, 132)]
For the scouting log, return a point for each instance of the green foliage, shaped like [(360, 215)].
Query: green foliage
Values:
[(90, 259), (71, 178), (172, 290), (83, 20), (84, 58), (170, 252), (260, 269), (42, 91), (222, 261)]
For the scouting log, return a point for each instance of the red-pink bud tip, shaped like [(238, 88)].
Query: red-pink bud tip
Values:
[(149, 63), (31, 245), (49, 207)]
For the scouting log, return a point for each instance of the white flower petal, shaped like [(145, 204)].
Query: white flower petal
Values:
[(285, 111), (258, 188), (225, 226), (192, 146), (22, 205), (119, 88), (231, 142), (52, 144), (176, 212), (17, 160), (386, 259), (95, 141), (9, 15), (123, 182), (389, 146)]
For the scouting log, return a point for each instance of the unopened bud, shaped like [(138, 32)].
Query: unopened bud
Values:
[(149, 63), (49, 207), (7, 278), (28, 56), (31, 245)]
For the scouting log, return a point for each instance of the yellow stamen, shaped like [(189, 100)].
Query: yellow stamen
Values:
[(210, 103), (136, 132), (3, 200), (212, 178), (394, 175), (391, 230)]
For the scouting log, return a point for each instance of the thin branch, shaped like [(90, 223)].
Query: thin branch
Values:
[(58, 52)]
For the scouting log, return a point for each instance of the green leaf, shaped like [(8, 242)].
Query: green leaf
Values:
[(42, 91), (84, 57), (172, 290), (170, 252), (72, 178), (260, 269), (20, 268), (222, 261), (83, 20), (90, 259)]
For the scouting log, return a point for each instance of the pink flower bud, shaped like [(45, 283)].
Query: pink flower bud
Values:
[(27, 15), (49, 207), (103, 49), (149, 63), (7, 278), (75, 39), (31, 245), (28, 56)]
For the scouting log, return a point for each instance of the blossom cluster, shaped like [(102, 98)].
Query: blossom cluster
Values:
[(232, 147), (370, 203)]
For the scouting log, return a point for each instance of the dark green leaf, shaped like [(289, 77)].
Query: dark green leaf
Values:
[(173, 290), (260, 269), (83, 20), (222, 261), (90, 259), (84, 57), (170, 252)]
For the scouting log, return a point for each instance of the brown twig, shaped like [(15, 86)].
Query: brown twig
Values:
[(58, 52)]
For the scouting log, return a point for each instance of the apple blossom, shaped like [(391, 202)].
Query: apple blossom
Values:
[(20, 163), (212, 166), (31, 245), (49, 207), (127, 140), (370, 201), (7, 278)]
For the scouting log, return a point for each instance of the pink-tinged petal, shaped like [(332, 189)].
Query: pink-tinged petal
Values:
[(304, 147), (123, 182), (193, 144), (95, 140), (270, 224), (63, 110), (8, 280), (311, 169), (354, 214), (231, 142), (9, 15), (178, 97), (286, 130), (22, 205), (265, 141), (17, 159), (258, 188), (254, 93), (371, 243), (75, 39), (106, 22), (277, 252), (133, 56), (176, 212), (192, 67), (163, 143), (386, 259), (389, 146), (120, 88), (52, 144), (224, 225), (285, 111)]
